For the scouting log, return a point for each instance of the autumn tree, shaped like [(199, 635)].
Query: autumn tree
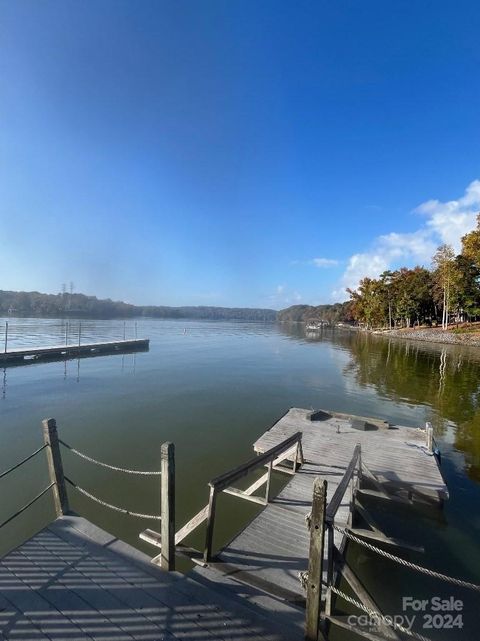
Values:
[(369, 302), (471, 245), (446, 278)]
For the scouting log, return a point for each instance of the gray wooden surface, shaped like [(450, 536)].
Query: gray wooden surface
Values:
[(397, 456), (271, 551), (71, 349), (73, 581)]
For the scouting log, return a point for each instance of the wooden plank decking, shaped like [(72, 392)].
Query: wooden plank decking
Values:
[(272, 550), (33, 354), (73, 581)]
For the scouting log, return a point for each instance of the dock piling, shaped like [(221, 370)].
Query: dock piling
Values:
[(315, 560), (55, 467), (429, 437), (6, 336), (212, 501), (269, 480), (167, 507)]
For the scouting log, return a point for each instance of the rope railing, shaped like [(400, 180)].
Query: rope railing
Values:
[(59, 481), (13, 468), (116, 508), (322, 517), (413, 566), (116, 468), (22, 509), (378, 615), (27, 458)]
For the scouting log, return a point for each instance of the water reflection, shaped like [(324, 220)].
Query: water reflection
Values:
[(213, 389), (127, 365), (444, 378)]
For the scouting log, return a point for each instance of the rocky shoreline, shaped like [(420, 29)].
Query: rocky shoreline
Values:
[(433, 335)]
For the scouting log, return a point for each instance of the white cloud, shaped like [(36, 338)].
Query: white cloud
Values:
[(451, 220), (324, 262), (446, 222)]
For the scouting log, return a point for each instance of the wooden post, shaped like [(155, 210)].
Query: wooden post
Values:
[(167, 507), (295, 459), (79, 334), (315, 560), (360, 465), (330, 543), (66, 333), (6, 336), (55, 467), (212, 500), (429, 437), (269, 477), (124, 329), (300, 450), (354, 481)]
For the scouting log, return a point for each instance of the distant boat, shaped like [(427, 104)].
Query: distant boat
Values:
[(317, 326)]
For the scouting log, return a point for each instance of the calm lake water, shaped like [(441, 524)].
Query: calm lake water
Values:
[(212, 388)]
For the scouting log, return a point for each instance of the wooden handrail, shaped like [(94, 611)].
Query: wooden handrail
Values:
[(223, 480), (222, 483), (321, 521), (336, 499)]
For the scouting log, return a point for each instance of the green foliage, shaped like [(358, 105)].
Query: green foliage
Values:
[(338, 312), (445, 380), (37, 304), (406, 297), (471, 245)]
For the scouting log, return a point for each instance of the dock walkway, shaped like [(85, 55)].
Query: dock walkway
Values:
[(274, 547), (73, 581)]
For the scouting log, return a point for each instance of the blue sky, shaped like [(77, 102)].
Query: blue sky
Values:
[(251, 153)]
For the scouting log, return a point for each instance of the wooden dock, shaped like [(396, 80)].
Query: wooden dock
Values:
[(73, 581), (33, 354), (276, 580), (273, 548)]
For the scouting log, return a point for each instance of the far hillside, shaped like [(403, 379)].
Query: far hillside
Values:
[(336, 313), (68, 305)]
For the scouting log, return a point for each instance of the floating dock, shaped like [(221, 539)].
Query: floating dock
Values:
[(33, 354), (273, 549), (276, 580)]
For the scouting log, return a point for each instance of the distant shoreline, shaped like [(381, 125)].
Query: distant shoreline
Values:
[(431, 335), (67, 305), (92, 317)]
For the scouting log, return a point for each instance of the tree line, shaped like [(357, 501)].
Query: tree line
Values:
[(447, 293), (68, 304), (336, 313)]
